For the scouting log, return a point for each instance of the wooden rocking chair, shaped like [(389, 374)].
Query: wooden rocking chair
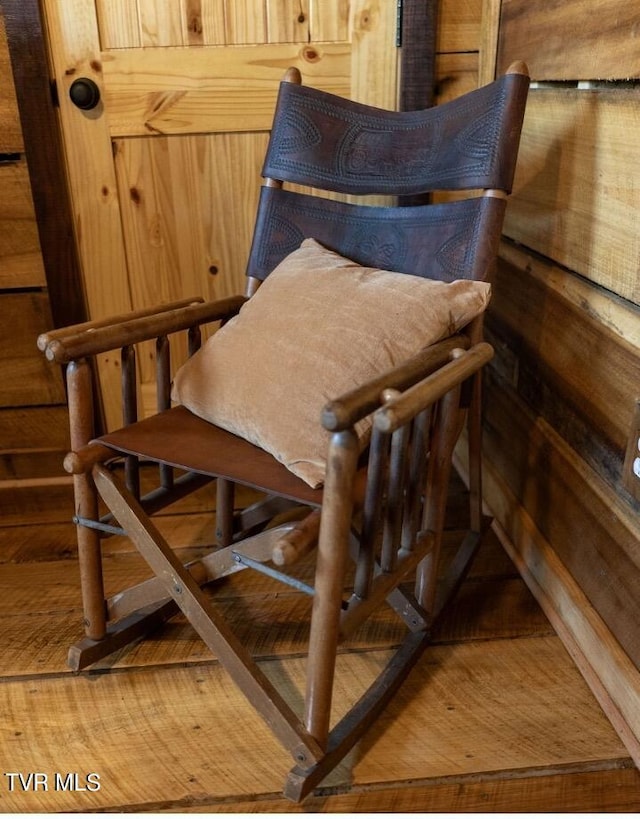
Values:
[(375, 518)]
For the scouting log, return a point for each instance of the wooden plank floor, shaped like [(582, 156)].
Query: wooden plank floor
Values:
[(494, 718)]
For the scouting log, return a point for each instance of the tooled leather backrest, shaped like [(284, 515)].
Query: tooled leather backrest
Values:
[(327, 142)]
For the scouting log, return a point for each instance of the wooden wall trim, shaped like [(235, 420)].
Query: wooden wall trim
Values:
[(44, 159), (617, 315), (591, 529), (489, 34), (418, 57), (567, 366), (575, 188), (606, 668), (608, 671)]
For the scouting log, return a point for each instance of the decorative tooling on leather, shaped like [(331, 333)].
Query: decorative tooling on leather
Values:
[(348, 146), (441, 241), (324, 141)]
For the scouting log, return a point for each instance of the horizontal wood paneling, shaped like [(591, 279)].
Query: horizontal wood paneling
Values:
[(558, 405), (456, 74), (571, 39), (560, 391), (576, 187), (20, 257), (593, 532), (25, 376), (617, 315), (607, 668), (571, 369), (30, 464), (33, 441), (218, 90), (37, 427), (458, 25)]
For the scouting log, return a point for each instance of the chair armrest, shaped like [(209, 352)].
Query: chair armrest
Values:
[(94, 337), (399, 410), (351, 407)]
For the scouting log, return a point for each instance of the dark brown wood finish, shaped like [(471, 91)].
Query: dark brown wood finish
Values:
[(418, 59), (396, 545), (589, 404), (36, 100)]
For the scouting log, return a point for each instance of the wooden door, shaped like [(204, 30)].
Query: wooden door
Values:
[(164, 171)]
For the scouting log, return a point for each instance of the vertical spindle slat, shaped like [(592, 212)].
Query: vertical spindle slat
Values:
[(163, 396), (447, 422), (130, 413), (395, 498), (416, 479), (372, 512), (194, 339), (225, 500)]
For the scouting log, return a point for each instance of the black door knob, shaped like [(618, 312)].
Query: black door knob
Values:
[(84, 93)]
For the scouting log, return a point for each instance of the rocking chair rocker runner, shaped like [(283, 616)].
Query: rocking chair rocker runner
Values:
[(372, 476)]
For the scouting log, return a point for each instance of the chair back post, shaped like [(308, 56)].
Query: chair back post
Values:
[(163, 394), (395, 505), (420, 439), (292, 75), (129, 378)]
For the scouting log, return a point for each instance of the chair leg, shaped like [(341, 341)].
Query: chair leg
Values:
[(90, 559), (80, 397), (136, 625), (352, 727), (185, 590), (102, 639), (332, 553)]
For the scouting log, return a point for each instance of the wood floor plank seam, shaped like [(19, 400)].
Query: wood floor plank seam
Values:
[(498, 690), (213, 662), (355, 790)]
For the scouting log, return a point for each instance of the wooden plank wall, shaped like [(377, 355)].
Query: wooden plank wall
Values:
[(457, 47), (32, 414), (565, 320)]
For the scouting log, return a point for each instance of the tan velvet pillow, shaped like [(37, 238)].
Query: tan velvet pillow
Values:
[(318, 326)]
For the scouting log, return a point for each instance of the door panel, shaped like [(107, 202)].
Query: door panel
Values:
[(183, 232), (164, 172), (155, 91)]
